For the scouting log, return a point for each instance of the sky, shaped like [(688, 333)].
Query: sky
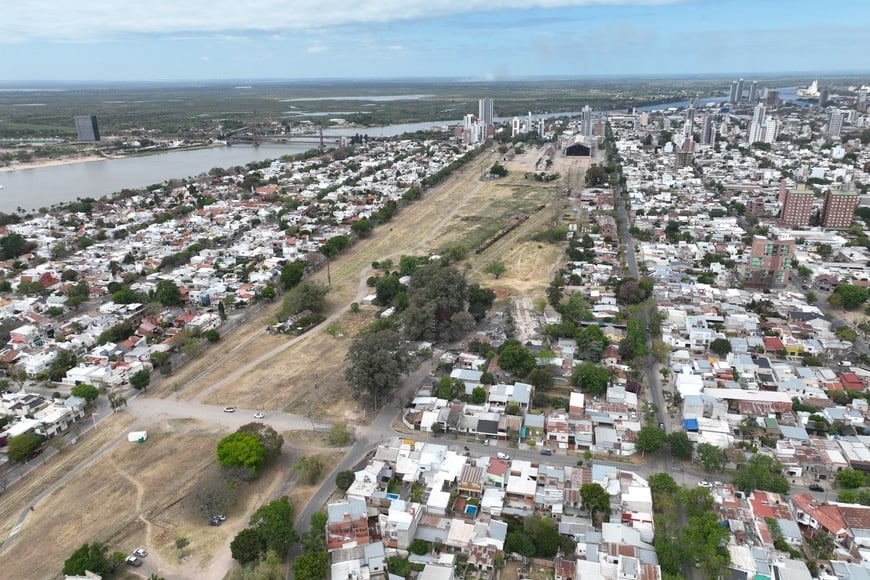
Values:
[(168, 40)]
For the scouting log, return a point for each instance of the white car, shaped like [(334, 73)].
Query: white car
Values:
[(229, 409), (140, 552), (503, 456), (705, 484), (259, 415)]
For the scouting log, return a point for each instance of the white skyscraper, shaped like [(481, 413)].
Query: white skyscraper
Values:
[(771, 130), (756, 127), (739, 91)]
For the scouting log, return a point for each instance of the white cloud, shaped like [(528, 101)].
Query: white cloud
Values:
[(317, 49), (94, 20)]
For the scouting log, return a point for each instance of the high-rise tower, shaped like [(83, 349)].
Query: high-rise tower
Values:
[(86, 127), (485, 114)]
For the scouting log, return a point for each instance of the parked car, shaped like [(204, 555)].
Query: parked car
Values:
[(486, 441), (546, 452), (133, 561), (705, 484), (718, 484), (503, 456), (259, 415), (140, 552), (220, 517), (816, 487), (229, 409)]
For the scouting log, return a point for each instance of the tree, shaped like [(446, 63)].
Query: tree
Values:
[(518, 542), (168, 294), (495, 268), (274, 523), (478, 395), (291, 274), (312, 566), (851, 478), (212, 335), (88, 557), (271, 440), (334, 245), (181, 543), (663, 483), (344, 479), (85, 391), (213, 493), (595, 499), (247, 546), (308, 295), (339, 435), (361, 228), (720, 347), (681, 446), (243, 451), (650, 439), (761, 472), (377, 362), (710, 456), (591, 378), (824, 250), (140, 380), (22, 446), (311, 468), (498, 170), (515, 358), (849, 296), (267, 293)]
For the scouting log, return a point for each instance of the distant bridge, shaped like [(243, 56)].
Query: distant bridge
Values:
[(325, 141)]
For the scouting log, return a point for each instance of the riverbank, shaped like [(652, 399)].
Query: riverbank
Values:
[(52, 162)]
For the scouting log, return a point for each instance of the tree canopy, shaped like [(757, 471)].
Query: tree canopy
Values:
[(167, 293), (271, 440), (88, 557), (87, 392), (22, 446), (140, 379), (761, 472), (241, 450), (595, 499), (377, 362), (590, 378), (515, 358)]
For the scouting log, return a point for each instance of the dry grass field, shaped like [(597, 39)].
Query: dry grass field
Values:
[(131, 494)]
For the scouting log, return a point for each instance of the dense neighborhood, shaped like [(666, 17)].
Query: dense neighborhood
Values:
[(706, 322)]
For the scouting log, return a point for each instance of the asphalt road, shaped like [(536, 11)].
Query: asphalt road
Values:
[(652, 368)]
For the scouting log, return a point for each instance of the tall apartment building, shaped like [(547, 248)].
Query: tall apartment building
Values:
[(839, 208), (797, 207), (753, 93), (739, 90), (708, 130), (586, 122), (835, 123), (732, 94), (86, 128), (769, 262), (770, 130), (756, 127), (485, 112)]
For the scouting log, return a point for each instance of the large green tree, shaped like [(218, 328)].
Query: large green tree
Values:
[(848, 296), (710, 456), (681, 446), (515, 358), (650, 439), (271, 440), (88, 557), (591, 378), (377, 362), (851, 478), (312, 566), (247, 546), (291, 274), (241, 451), (140, 379), (167, 293), (22, 446), (761, 472), (595, 499), (85, 391), (274, 523)]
